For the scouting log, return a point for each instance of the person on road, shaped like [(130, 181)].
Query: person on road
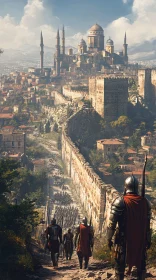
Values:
[(68, 244), (130, 222), (84, 242), (54, 238)]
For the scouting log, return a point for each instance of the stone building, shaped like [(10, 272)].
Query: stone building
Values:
[(148, 140), (13, 143), (147, 85), (109, 146), (109, 96), (144, 82), (91, 58)]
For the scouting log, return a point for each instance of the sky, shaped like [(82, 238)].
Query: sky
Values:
[(22, 20)]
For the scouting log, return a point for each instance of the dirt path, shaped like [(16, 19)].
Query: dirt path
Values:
[(69, 270)]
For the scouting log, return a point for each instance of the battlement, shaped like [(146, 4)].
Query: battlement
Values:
[(106, 77), (95, 196)]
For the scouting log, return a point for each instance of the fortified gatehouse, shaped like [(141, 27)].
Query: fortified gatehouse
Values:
[(95, 196)]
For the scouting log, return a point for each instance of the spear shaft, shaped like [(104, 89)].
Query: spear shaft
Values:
[(143, 178)]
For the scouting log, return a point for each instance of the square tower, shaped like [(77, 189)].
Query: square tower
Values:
[(109, 96)]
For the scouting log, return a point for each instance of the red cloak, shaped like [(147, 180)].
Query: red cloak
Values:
[(84, 241), (136, 228)]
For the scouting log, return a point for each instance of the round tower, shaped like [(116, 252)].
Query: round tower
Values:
[(110, 46), (96, 38)]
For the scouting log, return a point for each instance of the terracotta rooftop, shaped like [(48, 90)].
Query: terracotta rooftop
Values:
[(131, 151), (39, 162), (8, 127), (139, 172), (114, 141), (6, 116)]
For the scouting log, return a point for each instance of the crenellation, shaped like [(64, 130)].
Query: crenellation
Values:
[(95, 196)]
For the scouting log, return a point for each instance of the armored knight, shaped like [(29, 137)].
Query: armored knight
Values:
[(130, 225), (54, 239)]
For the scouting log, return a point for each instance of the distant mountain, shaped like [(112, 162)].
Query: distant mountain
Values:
[(21, 59)]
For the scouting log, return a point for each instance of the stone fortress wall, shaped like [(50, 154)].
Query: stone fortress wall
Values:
[(73, 94), (95, 196)]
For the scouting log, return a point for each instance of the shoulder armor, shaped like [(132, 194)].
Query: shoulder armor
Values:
[(119, 202), (118, 206)]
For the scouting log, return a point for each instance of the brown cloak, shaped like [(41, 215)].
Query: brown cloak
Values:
[(136, 228)]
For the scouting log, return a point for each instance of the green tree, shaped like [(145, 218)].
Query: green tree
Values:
[(122, 124), (96, 158), (8, 171), (16, 224), (135, 140), (152, 179)]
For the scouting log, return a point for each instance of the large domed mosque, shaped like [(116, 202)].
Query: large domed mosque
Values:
[(93, 54)]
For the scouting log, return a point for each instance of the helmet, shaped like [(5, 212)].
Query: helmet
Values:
[(131, 185), (84, 221), (53, 221)]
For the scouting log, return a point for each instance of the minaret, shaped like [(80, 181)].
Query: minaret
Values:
[(63, 41), (42, 52), (58, 53), (125, 46)]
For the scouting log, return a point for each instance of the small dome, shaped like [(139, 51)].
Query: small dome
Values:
[(96, 27), (110, 42), (82, 43)]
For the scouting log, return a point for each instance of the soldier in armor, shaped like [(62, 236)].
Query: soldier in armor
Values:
[(54, 238), (84, 242), (130, 225), (68, 244)]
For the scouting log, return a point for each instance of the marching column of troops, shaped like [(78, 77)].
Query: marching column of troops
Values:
[(66, 216), (128, 233)]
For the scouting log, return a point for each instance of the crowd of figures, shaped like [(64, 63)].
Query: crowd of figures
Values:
[(67, 217), (82, 241), (62, 198)]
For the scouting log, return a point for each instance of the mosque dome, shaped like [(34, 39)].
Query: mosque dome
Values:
[(110, 42), (96, 29), (82, 43)]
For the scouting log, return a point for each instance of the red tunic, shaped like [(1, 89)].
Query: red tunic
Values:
[(136, 228), (84, 241)]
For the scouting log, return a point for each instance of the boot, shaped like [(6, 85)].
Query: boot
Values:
[(119, 276), (86, 264), (141, 275), (80, 263)]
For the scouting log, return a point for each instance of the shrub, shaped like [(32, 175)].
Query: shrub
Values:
[(151, 253)]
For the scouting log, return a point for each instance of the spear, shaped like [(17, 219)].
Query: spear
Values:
[(143, 178), (91, 220)]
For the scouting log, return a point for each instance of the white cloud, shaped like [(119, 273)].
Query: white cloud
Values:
[(125, 1), (27, 32), (139, 25)]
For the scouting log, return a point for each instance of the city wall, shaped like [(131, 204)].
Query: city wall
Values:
[(73, 94), (59, 98), (95, 196)]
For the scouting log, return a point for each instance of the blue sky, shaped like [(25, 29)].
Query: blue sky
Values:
[(21, 22), (80, 14)]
